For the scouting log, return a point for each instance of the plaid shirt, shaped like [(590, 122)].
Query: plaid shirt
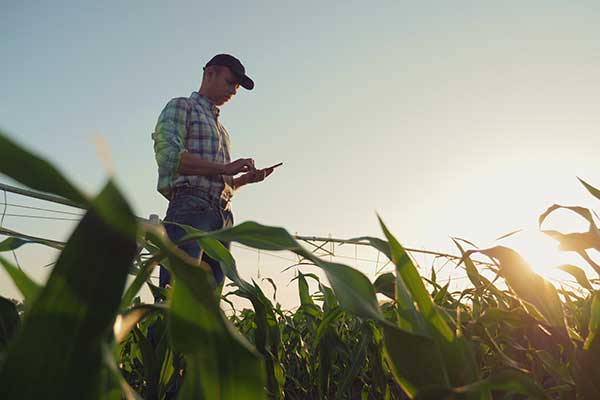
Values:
[(192, 125)]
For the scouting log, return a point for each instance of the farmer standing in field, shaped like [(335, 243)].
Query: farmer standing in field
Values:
[(195, 172)]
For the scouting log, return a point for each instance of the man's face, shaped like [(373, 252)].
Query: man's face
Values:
[(224, 86)]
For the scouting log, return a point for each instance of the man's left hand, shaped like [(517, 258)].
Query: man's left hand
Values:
[(257, 175)]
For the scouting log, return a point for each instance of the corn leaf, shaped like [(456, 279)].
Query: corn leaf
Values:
[(352, 288), (9, 321), (69, 318), (413, 360), (595, 192), (510, 381), (28, 288), (529, 286), (124, 323), (408, 274), (457, 358), (220, 363), (13, 243), (578, 274), (386, 285), (585, 371), (35, 172)]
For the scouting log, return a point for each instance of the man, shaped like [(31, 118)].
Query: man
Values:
[(192, 147)]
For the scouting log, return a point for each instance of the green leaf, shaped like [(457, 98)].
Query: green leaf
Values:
[(479, 281), (28, 288), (257, 236), (492, 316), (124, 323), (12, 243), (576, 241), (70, 317), (457, 358), (555, 367), (305, 297), (440, 297), (352, 288), (503, 357), (123, 387), (406, 271), (274, 287), (329, 300), (509, 234), (386, 285), (160, 294), (435, 393), (220, 363), (413, 361), (594, 321), (510, 381), (325, 324), (595, 192), (266, 334), (582, 211), (150, 361), (377, 243), (476, 279), (35, 172), (357, 361), (578, 274), (9, 321), (529, 286), (587, 373), (142, 276)]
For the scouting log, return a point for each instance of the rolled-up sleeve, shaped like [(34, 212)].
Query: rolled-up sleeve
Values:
[(169, 142)]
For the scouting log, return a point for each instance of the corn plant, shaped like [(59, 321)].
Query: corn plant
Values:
[(85, 334)]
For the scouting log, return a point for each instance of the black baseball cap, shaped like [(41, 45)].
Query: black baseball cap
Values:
[(235, 66)]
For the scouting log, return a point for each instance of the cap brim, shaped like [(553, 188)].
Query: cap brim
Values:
[(246, 82)]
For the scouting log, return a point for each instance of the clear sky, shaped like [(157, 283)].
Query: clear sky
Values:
[(461, 118)]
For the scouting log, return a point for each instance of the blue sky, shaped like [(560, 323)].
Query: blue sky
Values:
[(447, 118)]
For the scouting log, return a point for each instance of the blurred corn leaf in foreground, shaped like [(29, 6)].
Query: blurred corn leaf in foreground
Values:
[(60, 343)]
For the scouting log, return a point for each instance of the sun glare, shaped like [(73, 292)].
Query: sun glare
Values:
[(542, 252)]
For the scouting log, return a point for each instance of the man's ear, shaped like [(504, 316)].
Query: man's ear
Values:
[(209, 73)]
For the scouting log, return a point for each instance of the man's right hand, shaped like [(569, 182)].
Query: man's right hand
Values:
[(238, 166)]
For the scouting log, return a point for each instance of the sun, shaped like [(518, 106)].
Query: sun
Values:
[(543, 255)]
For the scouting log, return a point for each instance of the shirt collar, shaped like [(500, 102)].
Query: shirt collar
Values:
[(205, 103)]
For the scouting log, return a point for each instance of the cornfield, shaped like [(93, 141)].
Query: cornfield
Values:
[(86, 335)]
